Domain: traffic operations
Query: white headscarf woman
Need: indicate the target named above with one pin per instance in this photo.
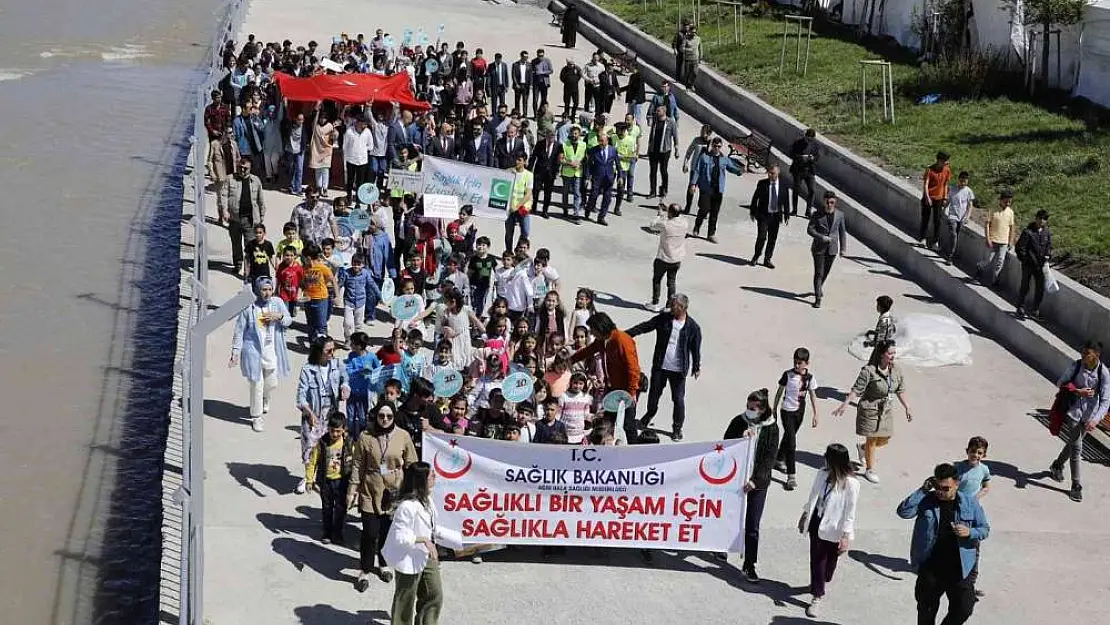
(258, 347)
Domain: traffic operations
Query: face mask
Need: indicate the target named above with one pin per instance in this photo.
(751, 416)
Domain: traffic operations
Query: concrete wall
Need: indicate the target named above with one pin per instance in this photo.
(893, 212)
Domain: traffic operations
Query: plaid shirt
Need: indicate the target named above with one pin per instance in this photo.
(216, 119)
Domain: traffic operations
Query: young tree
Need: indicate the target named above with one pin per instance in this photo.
(1049, 14)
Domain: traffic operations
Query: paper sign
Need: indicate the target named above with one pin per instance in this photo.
(613, 400)
(441, 206)
(406, 181)
(368, 193)
(447, 382)
(389, 291)
(517, 387)
(405, 307)
(331, 65)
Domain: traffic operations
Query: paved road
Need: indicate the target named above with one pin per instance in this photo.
(1044, 559)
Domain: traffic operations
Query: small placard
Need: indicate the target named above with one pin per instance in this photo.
(517, 387)
(329, 64)
(389, 291)
(360, 218)
(406, 181)
(441, 206)
(368, 193)
(405, 307)
(613, 400)
(447, 382)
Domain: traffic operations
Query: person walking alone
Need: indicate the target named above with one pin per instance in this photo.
(677, 354)
(672, 227)
(948, 527)
(1086, 385)
(804, 155)
(829, 517)
(1034, 248)
(829, 230)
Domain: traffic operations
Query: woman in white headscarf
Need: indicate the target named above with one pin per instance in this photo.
(258, 347)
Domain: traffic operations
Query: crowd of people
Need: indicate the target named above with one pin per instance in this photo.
(483, 317)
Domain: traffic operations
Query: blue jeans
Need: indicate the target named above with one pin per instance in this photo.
(574, 185)
(515, 218)
(296, 171)
(636, 111)
(316, 313)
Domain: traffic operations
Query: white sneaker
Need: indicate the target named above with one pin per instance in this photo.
(814, 607)
(300, 487)
(265, 407)
(258, 424)
(653, 307)
(871, 476)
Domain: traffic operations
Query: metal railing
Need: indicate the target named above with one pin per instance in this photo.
(199, 324)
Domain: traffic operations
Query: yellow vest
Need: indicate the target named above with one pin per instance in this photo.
(626, 149)
(520, 187)
(398, 192)
(570, 154)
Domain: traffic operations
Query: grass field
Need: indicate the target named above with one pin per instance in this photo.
(1051, 160)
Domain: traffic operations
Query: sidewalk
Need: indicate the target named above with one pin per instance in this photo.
(263, 564)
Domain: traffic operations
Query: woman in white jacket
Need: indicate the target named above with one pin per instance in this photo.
(410, 548)
(829, 516)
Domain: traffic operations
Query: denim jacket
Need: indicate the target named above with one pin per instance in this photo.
(316, 392)
(924, 506)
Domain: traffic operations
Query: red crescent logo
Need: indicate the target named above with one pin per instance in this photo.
(454, 475)
(715, 481)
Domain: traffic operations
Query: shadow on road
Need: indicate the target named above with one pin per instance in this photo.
(226, 411)
(881, 565)
(278, 479)
(321, 614)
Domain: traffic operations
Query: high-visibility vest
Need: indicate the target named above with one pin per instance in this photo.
(570, 153)
(399, 193)
(626, 149)
(520, 187)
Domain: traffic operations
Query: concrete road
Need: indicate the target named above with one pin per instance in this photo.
(1045, 556)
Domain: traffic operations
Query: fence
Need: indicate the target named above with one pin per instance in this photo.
(199, 322)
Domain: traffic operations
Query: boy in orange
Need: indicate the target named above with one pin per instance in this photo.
(317, 278)
(934, 198)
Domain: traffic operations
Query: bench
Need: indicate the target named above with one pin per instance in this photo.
(756, 149)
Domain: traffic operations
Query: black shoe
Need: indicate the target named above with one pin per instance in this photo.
(676, 436)
(1035, 314)
(645, 421)
(1019, 313)
(362, 584)
(544, 214)
(576, 220)
(754, 261)
(1076, 494)
(651, 194)
(602, 222)
(780, 466)
(617, 212)
(817, 303)
(768, 264)
(1056, 473)
(750, 575)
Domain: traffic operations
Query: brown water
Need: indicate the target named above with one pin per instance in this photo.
(95, 105)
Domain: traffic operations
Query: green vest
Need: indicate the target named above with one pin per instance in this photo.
(570, 154)
(520, 187)
(626, 149)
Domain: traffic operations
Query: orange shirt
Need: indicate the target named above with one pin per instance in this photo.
(317, 277)
(936, 182)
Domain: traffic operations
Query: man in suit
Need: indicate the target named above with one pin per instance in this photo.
(769, 208)
(498, 82)
(671, 361)
(544, 165)
(603, 162)
(661, 144)
(477, 147)
(712, 170)
(522, 82)
(829, 230)
(443, 145)
(510, 147)
(541, 80)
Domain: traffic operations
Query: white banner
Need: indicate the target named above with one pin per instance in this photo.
(685, 496)
(487, 189)
(441, 206)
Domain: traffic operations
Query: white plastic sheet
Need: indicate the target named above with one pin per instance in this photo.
(924, 340)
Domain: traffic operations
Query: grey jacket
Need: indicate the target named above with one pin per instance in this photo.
(670, 135)
(828, 241)
(258, 205)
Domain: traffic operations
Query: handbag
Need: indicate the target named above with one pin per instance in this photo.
(1065, 397)
(1051, 285)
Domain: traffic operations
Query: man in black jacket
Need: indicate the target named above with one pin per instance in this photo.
(770, 207)
(522, 83)
(804, 155)
(497, 83)
(758, 422)
(544, 166)
(1034, 248)
(673, 360)
(570, 76)
(634, 93)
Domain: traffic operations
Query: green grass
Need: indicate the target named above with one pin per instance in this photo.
(1050, 160)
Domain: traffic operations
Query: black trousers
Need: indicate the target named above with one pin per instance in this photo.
(677, 382)
(752, 518)
(928, 591)
(544, 185)
(570, 103)
(788, 448)
(520, 100)
(709, 205)
(496, 98)
(333, 508)
(1031, 271)
(809, 183)
(375, 527)
(589, 97)
(931, 212)
(767, 228)
(357, 175)
(241, 230)
(678, 62)
(539, 96)
(689, 198)
(822, 265)
(658, 269)
(657, 170)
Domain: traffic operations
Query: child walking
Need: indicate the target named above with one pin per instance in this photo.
(795, 385)
(975, 481)
(329, 472)
(885, 327)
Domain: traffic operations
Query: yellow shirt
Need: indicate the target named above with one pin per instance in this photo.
(332, 459)
(1000, 224)
(297, 244)
(317, 277)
